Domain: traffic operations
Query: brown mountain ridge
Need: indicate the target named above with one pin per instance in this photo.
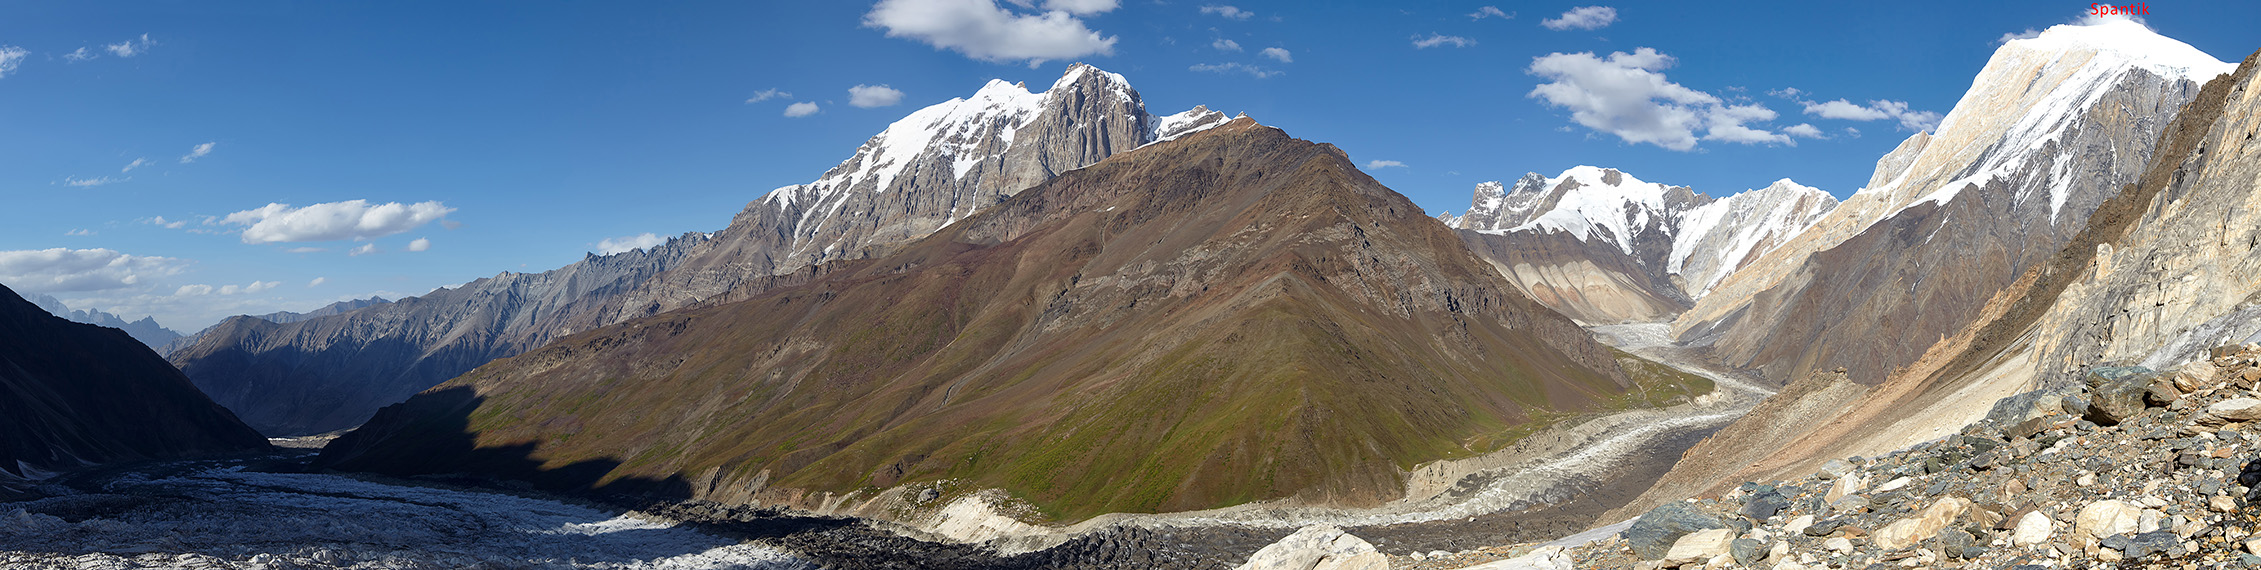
(1233, 316)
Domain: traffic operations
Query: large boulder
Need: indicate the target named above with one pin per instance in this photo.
(2106, 518)
(1318, 547)
(1700, 546)
(1652, 536)
(1916, 529)
(2117, 393)
(2236, 409)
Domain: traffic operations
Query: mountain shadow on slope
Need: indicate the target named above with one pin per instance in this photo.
(1233, 316)
(74, 394)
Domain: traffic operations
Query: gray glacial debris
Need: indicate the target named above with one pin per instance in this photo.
(931, 168)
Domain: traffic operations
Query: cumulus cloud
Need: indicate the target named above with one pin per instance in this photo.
(130, 48)
(768, 94)
(137, 163)
(420, 244)
(869, 96)
(199, 290)
(92, 182)
(624, 244)
(1378, 164)
(365, 249)
(1436, 39)
(1875, 111)
(801, 109)
(198, 151)
(333, 221)
(1077, 7)
(65, 270)
(10, 58)
(1225, 45)
(80, 54)
(1279, 54)
(1490, 12)
(1258, 72)
(1583, 18)
(161, 222)
(1625, 95)
(1804, 130)
(982, 30)
(1229, 12)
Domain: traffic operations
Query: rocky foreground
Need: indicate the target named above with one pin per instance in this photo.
(2136, 468)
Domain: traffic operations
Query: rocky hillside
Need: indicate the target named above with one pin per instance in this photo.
(1604, 247)
(1230, 317)
(935, 166)
(2017, 341)
(2050, 128)
(145, 330)
(74, 394)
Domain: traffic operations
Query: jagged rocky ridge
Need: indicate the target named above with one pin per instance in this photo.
(937, 165)
(145, 330)
(1604, 247)
(74, 395)
(2050, 128)
(1230, 317)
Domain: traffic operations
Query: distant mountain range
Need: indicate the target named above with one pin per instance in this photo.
(145, 330)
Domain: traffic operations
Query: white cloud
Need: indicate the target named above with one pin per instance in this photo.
(1225, 45)
(1624, 95)
(1584, 18)
(801, 109)
(62, 269)
(317, 282)
(1379, 164)
(624, 244)
(869, 96)
(1804, 130)
(1490, 12)
(130, 48)
(768, 94)
(196, 152)
(334, 221)
(137, 163)
(80, 54)
(10, 58)
(1259, 72)
(1436, 39)
(1279, 54)
(80, 232)
(1875, 110)
(92, 182)
(306, 249)
(365, 249)
(1082, 7)
(1229, 12)
(198, 290)
(1787, 92)
(982, 30)
(161, 222)
(420, 244)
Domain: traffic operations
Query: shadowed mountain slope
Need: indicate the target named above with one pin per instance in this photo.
(74, 394)
(1230, 317)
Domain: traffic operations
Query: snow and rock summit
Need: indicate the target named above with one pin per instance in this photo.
(1683, 241)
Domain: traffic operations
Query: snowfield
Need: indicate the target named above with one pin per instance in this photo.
(214, 515)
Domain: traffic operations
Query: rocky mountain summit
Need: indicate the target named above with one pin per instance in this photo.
(1137, 336)
(1604, 247)
(317, 374)
(2052, 127)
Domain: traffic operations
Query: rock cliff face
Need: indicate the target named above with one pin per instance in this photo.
(145, 330)
(938, 165)
(74, 394)
(2052, 127)
(1604, 247)
(1229, 317)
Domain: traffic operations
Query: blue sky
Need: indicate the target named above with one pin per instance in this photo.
(519, 136)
